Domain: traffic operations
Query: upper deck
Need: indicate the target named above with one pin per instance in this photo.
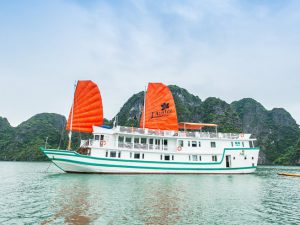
(133, 131)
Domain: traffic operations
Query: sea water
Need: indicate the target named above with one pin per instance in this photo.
(38, 193)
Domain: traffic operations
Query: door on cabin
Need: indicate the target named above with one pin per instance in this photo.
(228, 160)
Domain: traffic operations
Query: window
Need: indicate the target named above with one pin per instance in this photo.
(165, 142)
(136, 140)
(189, 158)
(121, 139)
(143, 140)
(136, 155)
(119, 154)
(167, 157)
(251, 144)
(180, 143)
(233, 158)
(130, 154)
(194, 157)
(143, 156)
(199, 144)
(101, 137)
(237, 143)
(151, 141)
(252, 158)
(97, 137)
(213, 144)
(160, 157)
(157, 141)
(200, 158)
(128, 139)
(113, 154)
(194, 143)
(232, 144)
(189, 143)
(245, 157)
(214, 158)
(172, 157)
(243, 144)
(106, 154)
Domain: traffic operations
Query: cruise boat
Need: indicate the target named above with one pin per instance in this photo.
(159, 145)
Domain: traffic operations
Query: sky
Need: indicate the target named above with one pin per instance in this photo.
(222, 48)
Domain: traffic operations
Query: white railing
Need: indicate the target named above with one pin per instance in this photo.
(167, 133)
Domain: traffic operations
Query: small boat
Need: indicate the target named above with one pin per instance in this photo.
(159, 145)
(290, 174)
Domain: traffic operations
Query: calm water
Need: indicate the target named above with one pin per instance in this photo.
(31, 194)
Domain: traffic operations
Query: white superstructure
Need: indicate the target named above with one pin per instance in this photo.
(137, 150)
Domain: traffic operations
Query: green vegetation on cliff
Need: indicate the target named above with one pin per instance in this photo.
(277, 132)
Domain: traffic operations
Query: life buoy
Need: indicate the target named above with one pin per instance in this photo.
(179, 148)
(102, 142)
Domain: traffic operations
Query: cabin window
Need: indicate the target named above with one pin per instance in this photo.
(251, 144)
(143, 140)
(160, 157)
(151, 141)
(113, 154)
(172, 157)
(101, 137)
(232, 144)
(106, 154)
(180, 143)
(136, 140)
(243, 144)
(143, 156)
(233, 158)
(199, 144)
(237, 143)
(214, 158)
(213, 144)
(128, 139)
(121, 139)
(194, 143)
(97, 137)
(119, 154)
(157, 141)
(130, 154)
(189, 158)
(194, 157)
(165, 142)
(200, 158)
(136, 155)
(189, 143)
(167, 157)
(245, 157)
(252, 158)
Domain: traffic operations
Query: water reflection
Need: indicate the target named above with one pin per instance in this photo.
(71, 202)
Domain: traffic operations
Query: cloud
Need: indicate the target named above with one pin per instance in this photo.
(227, 49)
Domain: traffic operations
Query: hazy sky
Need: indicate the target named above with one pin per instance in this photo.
(227, 49)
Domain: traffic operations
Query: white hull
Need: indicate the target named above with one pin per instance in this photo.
(70, 161)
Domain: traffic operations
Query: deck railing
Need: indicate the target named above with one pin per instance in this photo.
(167, 133)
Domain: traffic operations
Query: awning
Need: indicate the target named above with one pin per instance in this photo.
(195, 126)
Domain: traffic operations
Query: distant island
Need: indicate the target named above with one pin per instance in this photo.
(277, 132)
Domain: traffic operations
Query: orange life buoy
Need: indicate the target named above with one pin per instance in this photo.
(179, 148)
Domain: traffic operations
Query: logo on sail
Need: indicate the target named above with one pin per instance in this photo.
(165, 111)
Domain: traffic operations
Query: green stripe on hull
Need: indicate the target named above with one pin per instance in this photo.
(150, 168)
(75, 154)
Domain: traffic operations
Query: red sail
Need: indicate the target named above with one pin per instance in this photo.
(160, 108)
(88, 110)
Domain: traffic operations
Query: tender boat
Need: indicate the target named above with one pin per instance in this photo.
(159, 145)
